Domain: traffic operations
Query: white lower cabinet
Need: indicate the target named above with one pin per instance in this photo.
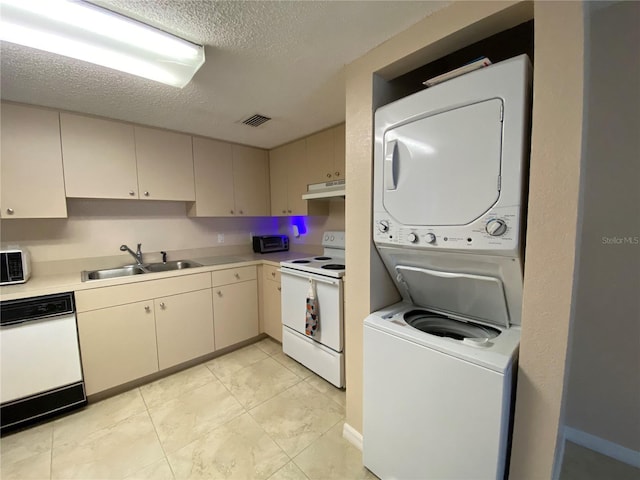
(235, 305)
(272, 308)
(184, 327)
(118, 345)
(129, 331)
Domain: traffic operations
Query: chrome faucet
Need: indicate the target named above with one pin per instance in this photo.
(137, 254)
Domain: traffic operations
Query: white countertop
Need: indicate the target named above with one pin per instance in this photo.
(50, 284)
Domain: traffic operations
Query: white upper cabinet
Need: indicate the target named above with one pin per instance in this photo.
(110, 159)
(325, 155)
(290, 175)
(165, 165)
(32, 183)
(231, 180)
(320, 151)
(213, 165)
(251, 181)
(99, 157)
(339, 152)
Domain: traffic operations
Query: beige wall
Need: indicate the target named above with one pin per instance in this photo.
(603, 389)
(555, 168)
(97, 228)
(551, 236)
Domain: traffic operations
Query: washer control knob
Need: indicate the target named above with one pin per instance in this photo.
(430, 238)
(496, 227)
(383, 226)
(412, 237)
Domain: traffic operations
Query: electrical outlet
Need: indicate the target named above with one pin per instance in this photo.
(221, 238)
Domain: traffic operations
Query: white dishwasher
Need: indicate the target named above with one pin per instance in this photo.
(40, 367)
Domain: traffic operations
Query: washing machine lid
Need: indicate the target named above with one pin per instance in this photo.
(466, 295)
(444, 169)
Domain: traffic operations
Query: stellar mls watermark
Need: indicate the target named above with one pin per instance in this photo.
(629, 240)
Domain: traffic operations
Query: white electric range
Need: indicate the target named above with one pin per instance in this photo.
(323, 352)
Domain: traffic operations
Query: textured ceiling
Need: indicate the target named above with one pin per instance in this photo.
(282, 59)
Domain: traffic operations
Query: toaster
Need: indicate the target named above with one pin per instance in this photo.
(270, 243)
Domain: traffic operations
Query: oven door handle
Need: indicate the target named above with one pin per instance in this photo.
(305, 275)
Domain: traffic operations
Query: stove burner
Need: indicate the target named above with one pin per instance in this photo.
(301, 261)
(333, 266)
(322, 258)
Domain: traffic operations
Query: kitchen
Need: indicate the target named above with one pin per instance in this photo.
(165, 227)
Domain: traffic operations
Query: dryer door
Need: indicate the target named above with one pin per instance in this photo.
(444, 169)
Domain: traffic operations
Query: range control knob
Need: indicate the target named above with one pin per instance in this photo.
(412, 237)
(430, 238)
(383, 226)
(496, 227)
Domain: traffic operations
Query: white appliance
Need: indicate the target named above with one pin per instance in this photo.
(41, 372)
(449, 170)
(324, 352)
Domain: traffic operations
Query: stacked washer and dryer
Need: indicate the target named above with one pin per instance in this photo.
(449, 195)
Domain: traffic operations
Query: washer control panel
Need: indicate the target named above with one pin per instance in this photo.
(496, 230)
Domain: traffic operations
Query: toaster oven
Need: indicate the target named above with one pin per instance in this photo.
(270, 243)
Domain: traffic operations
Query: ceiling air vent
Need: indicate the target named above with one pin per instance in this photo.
(256, 120)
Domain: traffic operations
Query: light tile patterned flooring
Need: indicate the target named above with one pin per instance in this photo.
(251, 414)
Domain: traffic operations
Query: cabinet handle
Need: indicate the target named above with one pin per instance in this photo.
(289, 211)
(337, 174)
(273, 274)
(231, 212)
(146, 194)
(284, 211)
(219, 293)
(132, 193)
(147, 308)
(10, 211)
(241, 212)
(162, 305)
(237, 275)
(279, 288)
(328, 175)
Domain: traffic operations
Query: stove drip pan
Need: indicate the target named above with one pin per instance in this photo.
(436, 324)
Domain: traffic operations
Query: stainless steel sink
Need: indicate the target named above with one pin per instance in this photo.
(111, 273)
(168, 266)
(128, 270)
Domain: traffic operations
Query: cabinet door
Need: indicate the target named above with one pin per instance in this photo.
(339, 152)
(278, 173)
(320, 157)
(118, 344)
(272, 310)
(297, 178)
(213, 166)
(251, 181)
(99, 157)
(32, 184)
(165, 165)
(184, 325)
(235, 309)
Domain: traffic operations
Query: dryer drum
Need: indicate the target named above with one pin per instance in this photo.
(442, 326)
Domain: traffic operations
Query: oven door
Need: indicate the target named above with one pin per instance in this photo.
(329, 294)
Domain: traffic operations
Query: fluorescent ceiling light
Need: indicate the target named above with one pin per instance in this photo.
(80, 30)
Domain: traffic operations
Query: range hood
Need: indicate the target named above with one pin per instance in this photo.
(325, 190)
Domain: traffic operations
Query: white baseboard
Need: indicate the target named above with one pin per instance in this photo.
(353, 436)
(600, 445)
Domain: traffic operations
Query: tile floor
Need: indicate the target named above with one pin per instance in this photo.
(251, 414)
